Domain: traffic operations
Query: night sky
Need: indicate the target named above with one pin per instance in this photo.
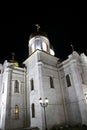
(64, 26)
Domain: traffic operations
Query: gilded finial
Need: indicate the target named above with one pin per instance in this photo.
(13, 61)
(38, 27)
(72, 47)
(13, 55)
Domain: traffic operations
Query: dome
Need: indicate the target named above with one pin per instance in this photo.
(39, 41)
(37, 32)
(13, 61)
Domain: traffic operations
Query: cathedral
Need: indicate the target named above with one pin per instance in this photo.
(45, 91)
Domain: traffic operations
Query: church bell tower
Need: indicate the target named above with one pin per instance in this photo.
(42, 81)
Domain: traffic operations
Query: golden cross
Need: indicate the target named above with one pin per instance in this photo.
(13, 54)
(72, 47)
(38, 27)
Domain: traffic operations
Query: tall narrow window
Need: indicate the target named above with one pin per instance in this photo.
(16, 112)
(82, 78)
(32, 84)
(3, 88)
(16, 86)
(33, 110)
(38, 43)
(51, 82)
(68, 80)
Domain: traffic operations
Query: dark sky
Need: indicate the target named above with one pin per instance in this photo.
(64, 26)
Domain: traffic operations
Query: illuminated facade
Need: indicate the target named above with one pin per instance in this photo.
(44, 75)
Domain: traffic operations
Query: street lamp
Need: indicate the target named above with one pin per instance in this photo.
(44, 105)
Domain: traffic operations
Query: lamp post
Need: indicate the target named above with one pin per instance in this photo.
(44, 105)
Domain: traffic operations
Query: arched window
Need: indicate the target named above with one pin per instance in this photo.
(33, 110)
(68, 80)
(3, 87)
(32, 84)
(37, 43)
(51, 82)
(16, 112)
(16, 86)
(82, 78)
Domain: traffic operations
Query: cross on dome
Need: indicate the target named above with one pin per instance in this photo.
(38, 27)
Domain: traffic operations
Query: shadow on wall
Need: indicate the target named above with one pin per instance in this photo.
(28, 128)
(69, 127)
(32, 128)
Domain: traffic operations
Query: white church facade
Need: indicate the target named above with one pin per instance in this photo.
(63, 83)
